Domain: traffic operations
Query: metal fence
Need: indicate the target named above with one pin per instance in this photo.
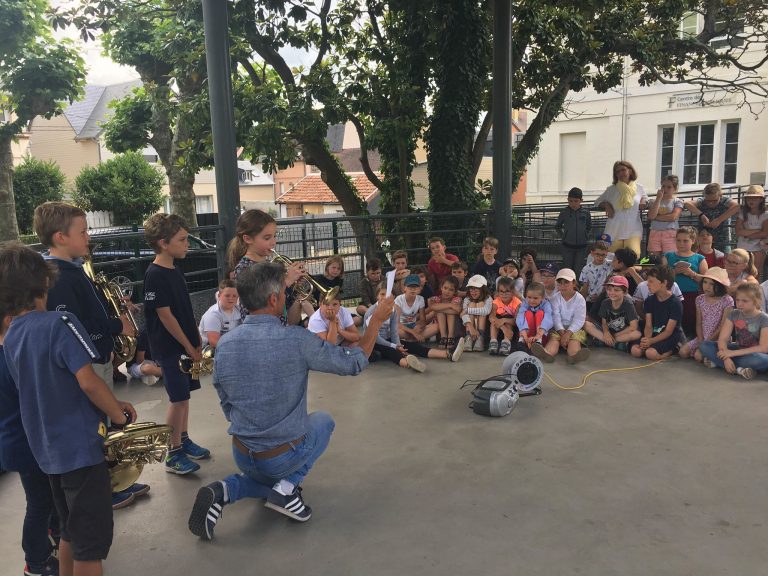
(314, 239)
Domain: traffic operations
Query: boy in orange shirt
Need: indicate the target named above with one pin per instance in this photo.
(505, 306)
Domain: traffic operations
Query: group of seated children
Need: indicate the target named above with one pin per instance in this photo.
(659, 306)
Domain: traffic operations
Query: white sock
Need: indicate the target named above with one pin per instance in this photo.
(226, 492)
(284, 487)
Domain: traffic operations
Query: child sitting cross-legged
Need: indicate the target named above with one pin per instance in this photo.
(712, 306)
(445, 309)
(502, 318)
(534, 320)
(617, 316)
(474, 313)
(569, 314)
(410, 308)
(662, 333)
(405, 355)
(742, 346)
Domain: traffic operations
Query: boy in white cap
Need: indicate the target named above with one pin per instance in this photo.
(569, 311)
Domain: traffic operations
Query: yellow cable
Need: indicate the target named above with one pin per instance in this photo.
(587, 376)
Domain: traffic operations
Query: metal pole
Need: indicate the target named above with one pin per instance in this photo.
(502, 125)
(222, 116)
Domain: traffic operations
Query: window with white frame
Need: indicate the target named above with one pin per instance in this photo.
(731, 148)
(689, 25)
(698, 153)
(667, 156)
(203, 204)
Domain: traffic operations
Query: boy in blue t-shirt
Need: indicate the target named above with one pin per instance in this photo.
(63, 229)
(172, 332)
(63, 404)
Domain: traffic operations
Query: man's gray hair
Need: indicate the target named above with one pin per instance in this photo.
(258, 282)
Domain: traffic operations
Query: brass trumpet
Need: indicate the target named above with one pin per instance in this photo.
(204, 366)
(306, 285)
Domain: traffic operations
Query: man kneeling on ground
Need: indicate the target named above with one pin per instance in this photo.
(261, 373)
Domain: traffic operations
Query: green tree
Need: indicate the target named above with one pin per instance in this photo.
(37, 75)
(35, 182)
(125, 185)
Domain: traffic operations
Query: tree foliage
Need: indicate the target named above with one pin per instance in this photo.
(37, 76)
(35, 182)
(125, 185)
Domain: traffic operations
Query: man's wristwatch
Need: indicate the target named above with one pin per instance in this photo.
(128, 420)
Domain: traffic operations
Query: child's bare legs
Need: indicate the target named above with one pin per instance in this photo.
(361, 310)
(151, 369)
(439, 354)
(68, 566)
(430, 330)
(685, 351)
(594, 330)
(652, 354)
(759, 257)
(482, 322)
(494, 331)
(552, 346)
(507, 331)
(627, 335)
(698, 356)
(451, 321)
(177, 418)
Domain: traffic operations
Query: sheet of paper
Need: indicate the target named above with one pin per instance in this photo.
(390, 282)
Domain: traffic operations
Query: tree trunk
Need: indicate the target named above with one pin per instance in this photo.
(9, 230)
(317, 154)
(166, 144)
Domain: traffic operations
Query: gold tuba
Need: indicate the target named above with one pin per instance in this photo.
(205, 366)
(306, 285)
(124, 345)
(128, 450)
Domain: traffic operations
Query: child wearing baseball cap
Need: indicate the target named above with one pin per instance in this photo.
(569, 315)
(474, 314)
(618, 321)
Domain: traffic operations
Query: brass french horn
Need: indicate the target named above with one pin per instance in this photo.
(128, 450)
(124, 345)
(306, 285)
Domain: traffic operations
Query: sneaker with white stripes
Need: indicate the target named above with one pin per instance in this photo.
(209, 504)
(292, 505)
(746, 373)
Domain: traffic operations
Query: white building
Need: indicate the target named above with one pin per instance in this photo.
(661, 129)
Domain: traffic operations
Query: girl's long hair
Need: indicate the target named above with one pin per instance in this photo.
(250, 223)
(750, 260)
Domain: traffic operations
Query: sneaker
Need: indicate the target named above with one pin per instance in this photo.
(746, 373)
(118, 376)
(149, 380)
(580, 356)
(479, 345)
(50, 568)
(137, 489)
(122, 499)
(54, 542)
(292, 505)
(193, 450)
(506, 348)
(708, 363)
(179, 464)
(538, 350)
(415, 364)
(468, 343)
(493, 347)
(455, 354)
(209, 504)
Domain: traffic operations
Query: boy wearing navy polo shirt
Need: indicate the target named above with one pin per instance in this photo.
(63, 229)
(172, 332)
(63, 403)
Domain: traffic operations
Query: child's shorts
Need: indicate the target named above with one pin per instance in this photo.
(177, 384)
(662, 240)
(135, 370)
(83, 499)
(671, 344)
(409, 325)
(580, 336)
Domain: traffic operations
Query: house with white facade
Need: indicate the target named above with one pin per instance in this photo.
(700, 135)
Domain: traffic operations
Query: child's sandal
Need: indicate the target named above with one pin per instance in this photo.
(442, 343)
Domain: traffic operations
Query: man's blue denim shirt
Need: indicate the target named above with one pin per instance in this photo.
(261, 373)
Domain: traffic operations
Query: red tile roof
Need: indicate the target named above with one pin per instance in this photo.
(312, 190)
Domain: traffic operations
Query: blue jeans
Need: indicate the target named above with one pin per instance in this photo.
(757, 360)
(39, 517)
(260, 474)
